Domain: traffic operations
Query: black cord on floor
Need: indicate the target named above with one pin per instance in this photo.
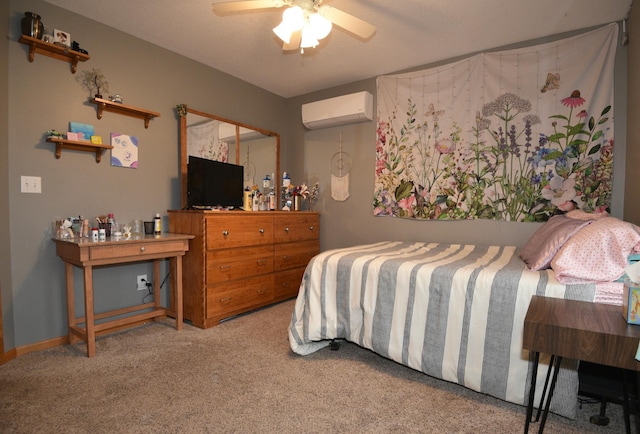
(150, 288)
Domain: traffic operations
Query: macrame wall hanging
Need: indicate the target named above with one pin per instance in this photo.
(340, 168)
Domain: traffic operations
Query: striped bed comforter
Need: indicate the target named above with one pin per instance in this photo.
(455, 312)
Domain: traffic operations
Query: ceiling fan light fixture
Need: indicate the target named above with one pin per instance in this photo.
(283, 31)
(308, 38)
(304, 22)
(292, 21)
(294, 17)
(320, 26)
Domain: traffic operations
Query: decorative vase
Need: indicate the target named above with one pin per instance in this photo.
(296, 203)
(32, 25)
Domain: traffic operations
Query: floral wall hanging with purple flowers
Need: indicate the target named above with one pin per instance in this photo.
(516, 135)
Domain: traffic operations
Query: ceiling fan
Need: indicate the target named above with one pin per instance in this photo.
(304, 22)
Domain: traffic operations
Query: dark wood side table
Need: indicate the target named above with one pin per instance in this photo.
(591, 332)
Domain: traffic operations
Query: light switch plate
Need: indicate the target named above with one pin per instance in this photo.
(30, 184)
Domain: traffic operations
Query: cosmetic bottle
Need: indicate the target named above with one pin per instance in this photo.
(248, 199)
(272, 201)
(157, 224)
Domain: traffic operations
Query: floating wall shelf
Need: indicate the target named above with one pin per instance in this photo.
(127, 110)
(52, 50)
(78, 145)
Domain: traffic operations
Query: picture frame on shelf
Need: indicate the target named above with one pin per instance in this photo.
(61, 37)
(87, 130)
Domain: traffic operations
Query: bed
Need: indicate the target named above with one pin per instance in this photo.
(456, 311)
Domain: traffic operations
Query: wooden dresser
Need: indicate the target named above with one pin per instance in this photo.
(240, 261)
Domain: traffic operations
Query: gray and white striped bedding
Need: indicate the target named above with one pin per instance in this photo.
(454, 312)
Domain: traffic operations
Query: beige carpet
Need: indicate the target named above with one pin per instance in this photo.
(242, 377)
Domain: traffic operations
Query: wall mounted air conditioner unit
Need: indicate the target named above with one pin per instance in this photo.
(341, 110)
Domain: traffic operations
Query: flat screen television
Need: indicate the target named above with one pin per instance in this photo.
(213, 184)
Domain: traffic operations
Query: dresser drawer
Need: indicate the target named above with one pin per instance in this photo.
(298, 226)
(224, 265)
(237, 231)
(287, 283)
(141, 249)
(236, 258)
(293, 255)
(227, 299)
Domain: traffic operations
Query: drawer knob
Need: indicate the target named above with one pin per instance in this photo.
(142, 249)
(261, 261)
(311, 228)
(225, 233)
(224, 300)
(261, 231)
(225, 267)
(286, 229)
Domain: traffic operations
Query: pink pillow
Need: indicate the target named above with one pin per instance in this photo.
(597, 253)
(538, 252)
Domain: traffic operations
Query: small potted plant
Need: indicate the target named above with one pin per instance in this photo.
(94, 80)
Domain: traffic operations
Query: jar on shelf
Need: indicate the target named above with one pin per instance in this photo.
(32, 25)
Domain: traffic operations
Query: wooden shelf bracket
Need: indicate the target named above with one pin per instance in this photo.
(59, 52)
(78, 145)
(123, 109)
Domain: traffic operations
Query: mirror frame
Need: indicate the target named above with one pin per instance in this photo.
(183, 110)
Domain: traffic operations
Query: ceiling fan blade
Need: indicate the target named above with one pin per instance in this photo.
(294, 42)
(245, 5)
(348, 22)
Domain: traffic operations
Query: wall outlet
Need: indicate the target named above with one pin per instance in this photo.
(30, 184)
(142, 282)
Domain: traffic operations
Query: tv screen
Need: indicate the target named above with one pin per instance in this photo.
(213, 183)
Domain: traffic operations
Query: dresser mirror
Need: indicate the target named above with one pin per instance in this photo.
(208, 136)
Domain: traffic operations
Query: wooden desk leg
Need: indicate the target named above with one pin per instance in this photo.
(71, 308)
(88, 311)
(177, 273)
(156, 284)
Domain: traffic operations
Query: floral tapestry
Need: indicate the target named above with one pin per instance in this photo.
(203, 141)
(517, 135)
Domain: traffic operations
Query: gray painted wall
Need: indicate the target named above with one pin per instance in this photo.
(44, 95)
(6, 315)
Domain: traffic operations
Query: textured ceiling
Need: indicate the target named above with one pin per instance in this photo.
(409, 33)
